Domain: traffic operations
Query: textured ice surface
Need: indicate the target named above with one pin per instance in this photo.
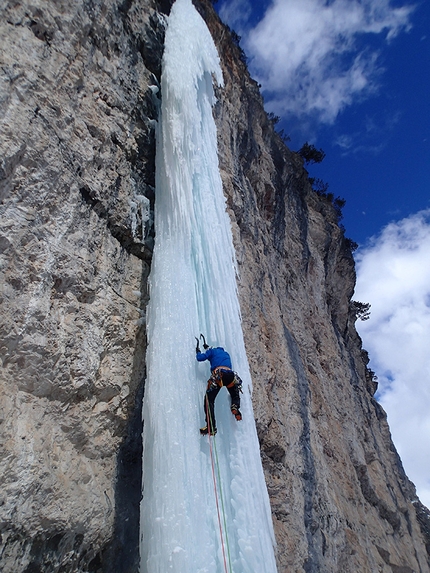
(193, 290)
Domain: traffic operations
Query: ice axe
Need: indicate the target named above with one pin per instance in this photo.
(204, 342)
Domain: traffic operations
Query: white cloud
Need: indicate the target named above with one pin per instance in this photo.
(236, 13)
(393, 275)
(305, 54)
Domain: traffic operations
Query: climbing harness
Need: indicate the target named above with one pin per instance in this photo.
(215, 462)
(216, 378)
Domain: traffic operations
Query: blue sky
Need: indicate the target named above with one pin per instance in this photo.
(372, 78)
(353, 77)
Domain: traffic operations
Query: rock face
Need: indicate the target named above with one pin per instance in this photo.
(78, 103)
(78, 100)
(340, 498)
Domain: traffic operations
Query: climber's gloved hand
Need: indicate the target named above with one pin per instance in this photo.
(197, 345)
(205, 346)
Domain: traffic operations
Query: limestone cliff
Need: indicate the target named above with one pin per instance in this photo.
(78, 106)
(78, 101)
(340, 498)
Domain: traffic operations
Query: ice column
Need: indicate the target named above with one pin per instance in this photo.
(193, 290)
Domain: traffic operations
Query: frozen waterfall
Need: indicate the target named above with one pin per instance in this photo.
(193, 290)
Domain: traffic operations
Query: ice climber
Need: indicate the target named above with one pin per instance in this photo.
(221, 375)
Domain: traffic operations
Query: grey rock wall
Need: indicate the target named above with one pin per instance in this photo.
(78, 101)
(340, 498)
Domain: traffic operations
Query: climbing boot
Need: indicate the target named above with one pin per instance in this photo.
(204, 431)
(236, 412)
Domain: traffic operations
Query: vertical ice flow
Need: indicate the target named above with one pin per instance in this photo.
(193, 290)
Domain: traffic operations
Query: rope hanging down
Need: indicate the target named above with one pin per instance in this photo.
(213, 463)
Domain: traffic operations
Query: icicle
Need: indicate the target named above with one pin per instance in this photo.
(193, 289)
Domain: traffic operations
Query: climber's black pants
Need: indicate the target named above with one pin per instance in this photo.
(225, 378)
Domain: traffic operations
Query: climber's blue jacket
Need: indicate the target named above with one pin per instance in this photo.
(216, 356)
